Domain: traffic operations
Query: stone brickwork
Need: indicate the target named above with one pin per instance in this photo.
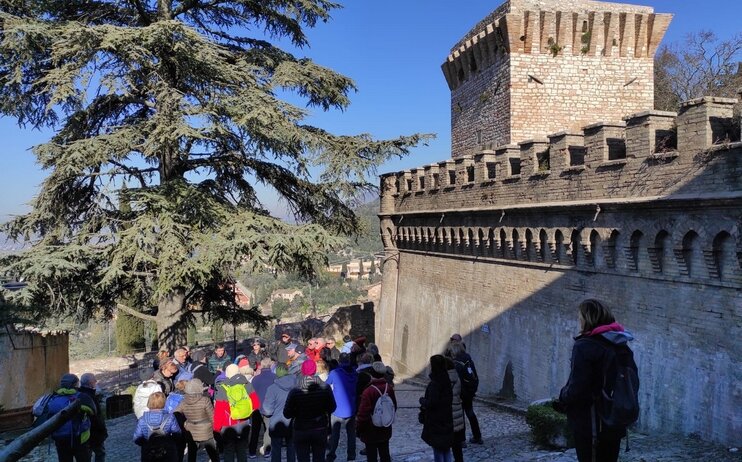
(540, 66)
(642, 210)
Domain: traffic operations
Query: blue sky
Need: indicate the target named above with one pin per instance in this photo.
(393, 50)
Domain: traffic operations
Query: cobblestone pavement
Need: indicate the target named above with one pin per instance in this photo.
(506, 438)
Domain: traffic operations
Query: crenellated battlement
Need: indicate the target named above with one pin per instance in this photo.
(537, 66)
(647, 154)
(588, 28)
(562, 187)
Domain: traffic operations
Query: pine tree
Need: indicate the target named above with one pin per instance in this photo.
(129, 333)
(372, 268)
(360, 269)
(174, 97)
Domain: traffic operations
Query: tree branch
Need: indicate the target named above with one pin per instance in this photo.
(142, 12)
(135, 313)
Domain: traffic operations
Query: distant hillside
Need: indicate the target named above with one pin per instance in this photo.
(369, 241)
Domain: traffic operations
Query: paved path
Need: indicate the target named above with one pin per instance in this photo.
(506, 438)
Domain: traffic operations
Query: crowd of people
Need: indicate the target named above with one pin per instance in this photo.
(294, 399)
(282, 401)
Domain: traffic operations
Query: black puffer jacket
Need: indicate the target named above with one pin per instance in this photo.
(310, 404)
(438, 416)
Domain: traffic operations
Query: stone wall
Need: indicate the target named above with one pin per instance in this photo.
(540, 66)
(32, 364)
(644, 214)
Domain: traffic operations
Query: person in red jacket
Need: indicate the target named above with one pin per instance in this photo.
(375, 438)
(234, 433)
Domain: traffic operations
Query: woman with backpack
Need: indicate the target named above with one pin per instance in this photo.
(469, 379)
(598, 351)
(198, 412)
(436, 412)
(234, 402)
(157, 431)
(374, 433)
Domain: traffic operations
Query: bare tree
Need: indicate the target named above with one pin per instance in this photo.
(702, 65)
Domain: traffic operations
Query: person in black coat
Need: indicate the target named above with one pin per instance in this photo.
(436, 411)
(600, 338)
(200, 369)
(310, 406)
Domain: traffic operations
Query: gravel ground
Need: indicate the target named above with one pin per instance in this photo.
(506, 438)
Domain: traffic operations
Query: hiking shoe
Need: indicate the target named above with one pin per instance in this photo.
(252, 456)
(476, 441)
(363, 451)
(267, 454)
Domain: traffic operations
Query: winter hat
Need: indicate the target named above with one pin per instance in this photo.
(299, 349)
(308, 367)
(243, 362)
(68, 381)
(194, 387)
(232, 370)
(198, 356)
(379, 367)
(456, 338)
(291, 346)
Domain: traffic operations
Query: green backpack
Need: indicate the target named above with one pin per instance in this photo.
(240, 404)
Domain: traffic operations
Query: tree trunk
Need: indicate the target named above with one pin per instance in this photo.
(171, 321)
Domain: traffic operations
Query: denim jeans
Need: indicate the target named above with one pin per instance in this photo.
(336, 424)
(442, 455)
(276, 443)
(310, 444)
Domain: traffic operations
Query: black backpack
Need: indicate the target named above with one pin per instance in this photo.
(468, 375)
(618, 402)
(160, 446)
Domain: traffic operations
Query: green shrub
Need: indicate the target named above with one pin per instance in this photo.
(549, 428)
(129, 333)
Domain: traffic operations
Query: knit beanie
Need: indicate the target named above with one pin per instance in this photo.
(308, 367)
(194, 387)
(232, 370)
(68, 381)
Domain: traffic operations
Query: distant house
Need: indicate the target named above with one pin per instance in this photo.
(242, 295)
(354, 267)
(286, 294)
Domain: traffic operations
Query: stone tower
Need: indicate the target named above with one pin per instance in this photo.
(543, 66)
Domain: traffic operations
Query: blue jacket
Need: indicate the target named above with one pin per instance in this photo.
(262, 381)
(152, 420)
(343, 381)
(79, 426)
(275, 400)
